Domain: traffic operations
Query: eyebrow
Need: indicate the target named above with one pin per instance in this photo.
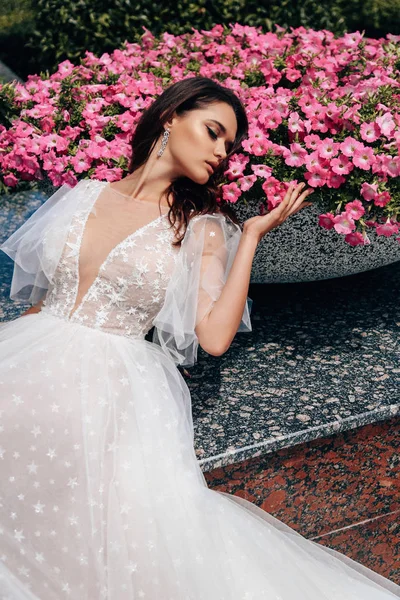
(223, 129)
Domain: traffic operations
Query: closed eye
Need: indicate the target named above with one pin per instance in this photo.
(212, 133)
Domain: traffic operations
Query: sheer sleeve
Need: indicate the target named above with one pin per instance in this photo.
(36, 246)
(203, 263)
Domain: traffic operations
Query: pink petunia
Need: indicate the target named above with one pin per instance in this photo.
(312, 141)
(349, 146)
(10, 180)
(246, 182)
(369, 132)
(391, 165)
(326, 220)
(327, 148)
(355, 209)
(342, 165)
(382, 199)
(81, 162)
(317, 178)
(369, 191)
(386, 123)
(356, 239)
(343, 223)
(364, 158)
(231, 192)
(236, 166)
(295, 157)
(387, 229)
(261, 170)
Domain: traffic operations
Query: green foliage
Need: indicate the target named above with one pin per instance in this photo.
(16, 26)
(55, 30)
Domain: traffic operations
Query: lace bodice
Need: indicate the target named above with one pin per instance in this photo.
(129, 287)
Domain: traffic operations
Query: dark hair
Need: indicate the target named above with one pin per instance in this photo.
(189, 197)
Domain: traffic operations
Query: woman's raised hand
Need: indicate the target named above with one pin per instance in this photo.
(293, 202)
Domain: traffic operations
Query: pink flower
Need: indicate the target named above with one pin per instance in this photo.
(295, 157)
(295, 123)
(387, 229)
(317, 178)
(81, 162)
(70, 179)
(334, 180)
(326, 220)
(356, 239)
(342, 165)
(386, 124)
(369, 191)
(391, 165)
(53, 141)
(369, 132)
(231, 192)
(349, 146)
(23, 129)
(10, 180)
(246, 182)
(271, 119)
(31, 164)
(65, 68)
(261, 170)
(364, 158)
(327, 148)
(355, 209)
(292, 74)
(125, 121)
(312, 141)
(343, 223)
(47, 124)
(102, 172)
(382, 199)
(236, 166)
(274, 191)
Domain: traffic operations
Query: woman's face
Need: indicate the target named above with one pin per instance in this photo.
(198, 136)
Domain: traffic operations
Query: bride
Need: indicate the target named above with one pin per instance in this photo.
(101, 493)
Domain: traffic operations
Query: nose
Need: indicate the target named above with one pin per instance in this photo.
(220, 151)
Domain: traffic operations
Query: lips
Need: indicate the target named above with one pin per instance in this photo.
(211, 168)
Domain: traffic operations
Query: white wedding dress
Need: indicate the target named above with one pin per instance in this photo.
(101, 493)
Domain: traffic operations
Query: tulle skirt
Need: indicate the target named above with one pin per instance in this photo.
(102, 496)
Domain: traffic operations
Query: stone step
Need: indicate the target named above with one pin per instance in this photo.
(342, 491)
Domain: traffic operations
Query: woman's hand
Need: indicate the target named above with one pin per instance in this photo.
(293, 202)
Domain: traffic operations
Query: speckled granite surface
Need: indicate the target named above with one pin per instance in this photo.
(323, 357)
(301, 250)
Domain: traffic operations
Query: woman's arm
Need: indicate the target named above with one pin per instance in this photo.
(216, 331)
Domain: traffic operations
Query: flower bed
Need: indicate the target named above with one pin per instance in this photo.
(321, 109)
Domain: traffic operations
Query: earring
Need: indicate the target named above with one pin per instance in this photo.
(163, 142)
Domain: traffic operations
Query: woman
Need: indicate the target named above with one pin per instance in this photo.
(102, 495)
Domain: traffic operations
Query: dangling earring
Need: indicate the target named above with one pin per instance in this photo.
(163, 142)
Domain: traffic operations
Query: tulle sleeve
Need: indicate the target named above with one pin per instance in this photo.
(36, 246)
(203, 263)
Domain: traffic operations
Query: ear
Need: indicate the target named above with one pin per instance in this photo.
(168, 124)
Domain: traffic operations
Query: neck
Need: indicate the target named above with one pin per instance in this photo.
(150, 181)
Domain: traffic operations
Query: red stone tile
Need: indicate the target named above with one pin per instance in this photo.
(325, 484)
(375, 544)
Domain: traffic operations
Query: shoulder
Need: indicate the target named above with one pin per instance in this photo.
(216, 227)
(215, 218)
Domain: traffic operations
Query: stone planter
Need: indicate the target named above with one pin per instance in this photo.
(298, 250)
(301, 250)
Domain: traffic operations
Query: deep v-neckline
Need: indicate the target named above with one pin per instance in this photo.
(126, 239)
